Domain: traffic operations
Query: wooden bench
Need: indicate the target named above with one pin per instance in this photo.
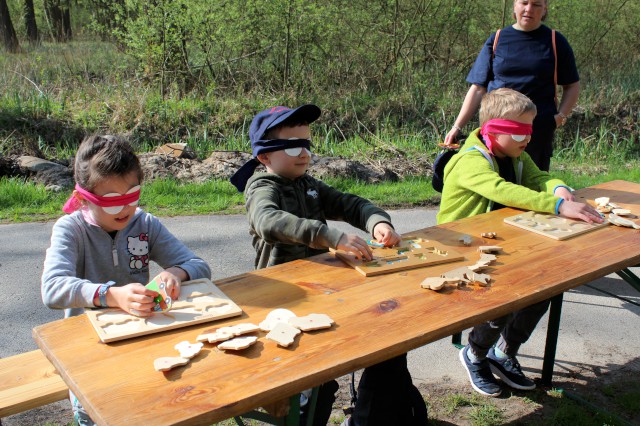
(28, 381)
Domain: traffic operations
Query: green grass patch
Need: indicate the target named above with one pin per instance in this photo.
(27, 202)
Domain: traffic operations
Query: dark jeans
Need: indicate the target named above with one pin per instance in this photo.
(387, 396)
(324, 404)
(512, 330)
(540, 148)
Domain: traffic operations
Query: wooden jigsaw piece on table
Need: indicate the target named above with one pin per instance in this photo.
(311, 322)
(188, 350)
(283, 334)
(238, 343)
(226, 333)
(167, 363)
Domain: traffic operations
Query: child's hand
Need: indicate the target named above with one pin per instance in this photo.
(564, 193)
(173, 277)
(133, 298)
(356, 245)
(385, 234)
(577, 210)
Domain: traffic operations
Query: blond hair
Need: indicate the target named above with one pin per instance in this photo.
(504, 103)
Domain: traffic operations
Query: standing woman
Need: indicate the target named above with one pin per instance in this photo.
(524, 60)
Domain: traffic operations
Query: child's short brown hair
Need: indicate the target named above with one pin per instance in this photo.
(102, 156)
(504, 103)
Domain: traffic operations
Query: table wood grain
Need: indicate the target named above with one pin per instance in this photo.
(376, 318)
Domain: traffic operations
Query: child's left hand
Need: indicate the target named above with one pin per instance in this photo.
(173, 278)
(564, 193)
(385, 234)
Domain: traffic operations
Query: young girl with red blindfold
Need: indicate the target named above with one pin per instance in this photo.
(100, 250)
(491, 171)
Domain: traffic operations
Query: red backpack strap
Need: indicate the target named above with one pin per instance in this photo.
(495, 44)
(555, 67)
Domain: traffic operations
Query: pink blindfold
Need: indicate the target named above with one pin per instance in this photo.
(110, 203)
(517, 130)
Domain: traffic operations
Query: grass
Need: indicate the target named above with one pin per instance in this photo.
(27, 202)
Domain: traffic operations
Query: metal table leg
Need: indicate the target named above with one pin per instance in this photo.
(551, 344)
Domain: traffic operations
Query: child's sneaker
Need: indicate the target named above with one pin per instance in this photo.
(480, 375)
(509, 371)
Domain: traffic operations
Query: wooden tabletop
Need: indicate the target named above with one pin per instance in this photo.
(376, 318)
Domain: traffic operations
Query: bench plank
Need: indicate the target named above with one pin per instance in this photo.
(28, 381)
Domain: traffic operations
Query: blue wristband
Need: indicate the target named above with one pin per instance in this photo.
(102, 293)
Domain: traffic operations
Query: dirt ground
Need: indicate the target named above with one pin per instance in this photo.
(223, 164)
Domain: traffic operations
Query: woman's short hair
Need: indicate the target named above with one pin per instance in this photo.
(504, 103)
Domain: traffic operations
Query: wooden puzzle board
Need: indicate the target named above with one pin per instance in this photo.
(200, 301)
(552, 226)
(410, 253)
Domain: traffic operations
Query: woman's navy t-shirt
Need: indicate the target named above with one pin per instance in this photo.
(524, 62)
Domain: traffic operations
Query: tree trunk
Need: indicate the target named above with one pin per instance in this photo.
(7, 31)
(54, 13)
(30, 22)
(66, 20)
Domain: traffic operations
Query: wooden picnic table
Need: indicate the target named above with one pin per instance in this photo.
(376, 318)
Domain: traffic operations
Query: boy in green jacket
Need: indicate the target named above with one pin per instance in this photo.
(288, 212)
(492, 171)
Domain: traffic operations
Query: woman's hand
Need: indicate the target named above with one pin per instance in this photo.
(451, 139)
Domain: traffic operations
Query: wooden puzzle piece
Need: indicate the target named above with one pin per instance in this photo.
(201, 302)
(489, 235)
(188, 350)
(127, 325)
(437, 283)
(166, 363)
(114, 317)
(552, 226)
(226, 333)
(621, 221)
(163, 300)
(489, 249)
(410, 253)
(283, 334)
(459, 274)
(621, 212)
(274, 317)
(311, 322)
(487, 257)
(478, 266)
(480, 279)
(465, 239)
(238, 343)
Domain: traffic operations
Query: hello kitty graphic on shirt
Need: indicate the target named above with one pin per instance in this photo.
(138, 247)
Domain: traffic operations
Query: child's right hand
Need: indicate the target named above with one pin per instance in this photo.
(134, 298)
(582, 211)
(356, 245)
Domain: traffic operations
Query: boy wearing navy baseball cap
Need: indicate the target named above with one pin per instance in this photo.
(288, 211)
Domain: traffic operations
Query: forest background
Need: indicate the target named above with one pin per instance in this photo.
(388, 74)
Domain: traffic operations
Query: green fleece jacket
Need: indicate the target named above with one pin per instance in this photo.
(288, 218)
(471, 184)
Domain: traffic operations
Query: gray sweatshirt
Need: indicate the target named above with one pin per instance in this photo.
(83, 256)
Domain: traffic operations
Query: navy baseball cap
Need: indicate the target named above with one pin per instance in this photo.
(263, 122)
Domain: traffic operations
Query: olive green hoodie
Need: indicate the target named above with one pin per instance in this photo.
(288, 218)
